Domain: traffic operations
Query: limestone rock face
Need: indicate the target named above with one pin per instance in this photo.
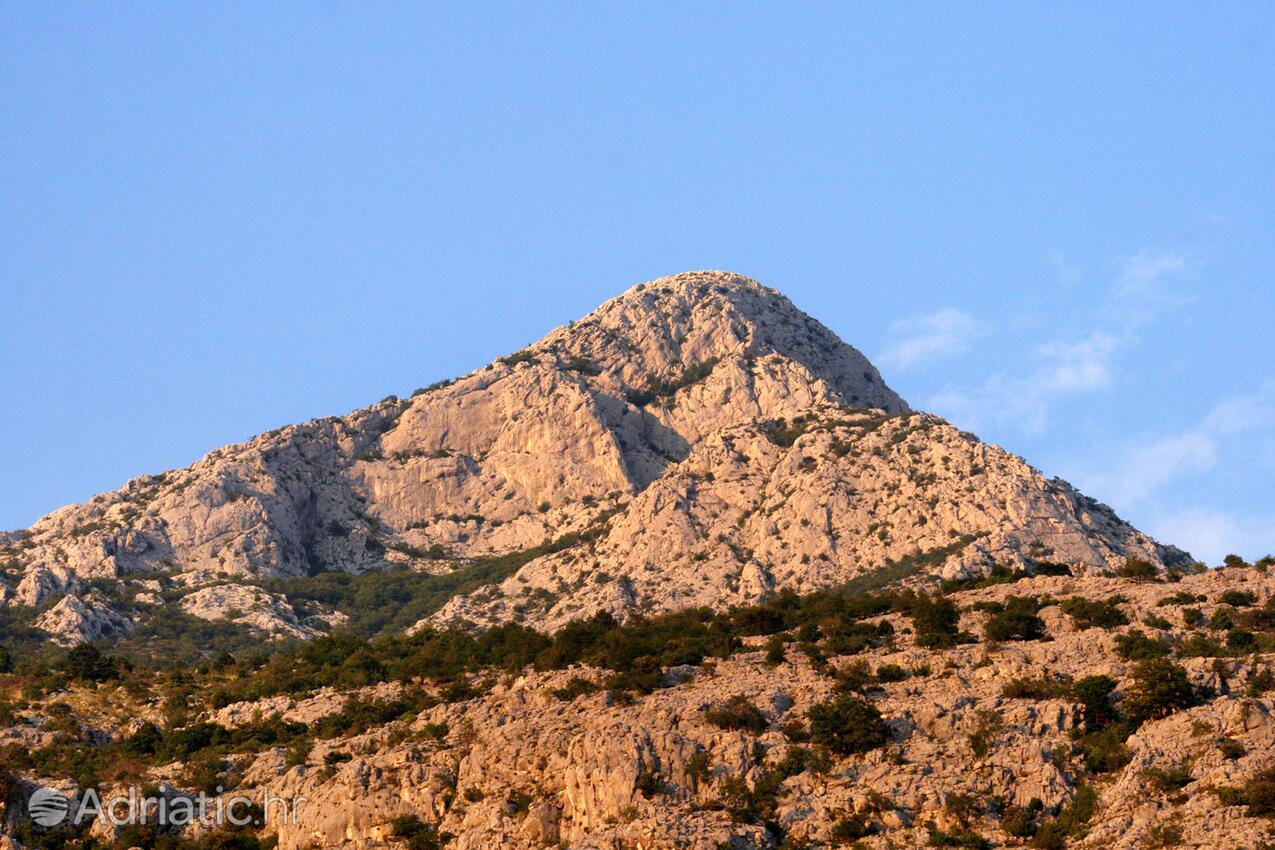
(808, 504)
(267, 612)
(717, 442)
(73, 621)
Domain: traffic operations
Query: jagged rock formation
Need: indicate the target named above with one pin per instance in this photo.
(730, 444)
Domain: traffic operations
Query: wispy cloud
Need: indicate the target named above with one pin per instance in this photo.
(1210, 535)
(1083, 361)
(1061, 368)
(928, 338)
(1143, 287)
(1149, 476)
(1150, 465)
(1150, 266)
(1079, 366)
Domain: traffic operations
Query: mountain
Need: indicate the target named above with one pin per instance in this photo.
(683, 574)
(697, 440)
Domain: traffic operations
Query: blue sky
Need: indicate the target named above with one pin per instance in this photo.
(1053, 224)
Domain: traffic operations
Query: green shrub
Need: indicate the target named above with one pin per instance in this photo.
(1199, 646)
(1020, 821)
(1237, 598)
(1071, 823)
(1094, 695)
(87, 663)
(1259, 793)
(1223, 618)
(1166, 780)
(936, 622)
(1135, 646)
(737, 713)
(1018, 621)
(851, 828)
(417, 834)
(575, 686)
(961, 837)
(891, 673)
(981, 739)
(1043, 687)
(1091, 613)
(1159, 688)
(1138, 569)
(1231, 749)
(775, 654)
(848, 724)
(1105, 750)
(657, 388)
(1165, 834)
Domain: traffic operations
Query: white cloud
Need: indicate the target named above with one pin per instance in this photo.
(1142, 287)
(1210, 535)
(1152, 476)
(926, 338)
(1150, 465)
(1078, 366)
(1151, 266)
(1085, 362)
(1062, 368)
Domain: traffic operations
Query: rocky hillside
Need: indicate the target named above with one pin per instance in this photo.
(696, 440)
(1122, 713)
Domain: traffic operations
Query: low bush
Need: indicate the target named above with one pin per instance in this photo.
(847, 725)
(1137, 569)
(1237, 598)
(1136, 646)
(1092, 613)
(1159, 688)
(738, 714)
(1043, 687)
(1018, 621)
(936, 622)
(1071, 824)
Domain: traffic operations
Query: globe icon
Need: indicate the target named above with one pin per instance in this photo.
(48, 807)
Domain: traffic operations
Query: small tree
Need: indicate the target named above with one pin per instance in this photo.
(936, 622)
(737, 713)
(1092, 613)
(848, 725)
(1160, 688)
(1018, 621)
(1138, 569)
(1094, 695)
(86, 662)
(1136, 646)
(416, 833)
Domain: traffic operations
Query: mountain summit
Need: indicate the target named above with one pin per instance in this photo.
(697, 440)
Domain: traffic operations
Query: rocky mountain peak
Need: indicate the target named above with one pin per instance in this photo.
(656, 330)
(697, 440)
